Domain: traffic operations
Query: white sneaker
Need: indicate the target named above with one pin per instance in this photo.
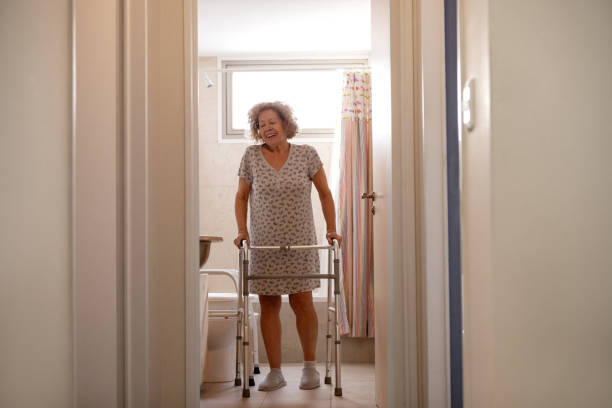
(310, 379)
(273, 381)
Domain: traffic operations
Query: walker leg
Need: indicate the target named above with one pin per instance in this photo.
(338, 388)
(237, 381)
(246, 393)
(245, 354)
(255, 340)
(250, 339)
(328, 336)
(328, 360)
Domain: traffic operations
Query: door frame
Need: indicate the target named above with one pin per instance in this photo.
(193, 330)
(432, 197)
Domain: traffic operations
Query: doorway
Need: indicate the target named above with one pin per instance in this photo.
(398, 370)
(232, 69)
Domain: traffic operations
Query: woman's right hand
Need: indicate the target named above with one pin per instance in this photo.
(242, 236)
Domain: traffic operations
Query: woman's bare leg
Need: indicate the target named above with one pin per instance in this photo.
(271, 328)
(306, 322)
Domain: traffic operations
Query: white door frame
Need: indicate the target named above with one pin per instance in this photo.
(433, 214)
(192, 272)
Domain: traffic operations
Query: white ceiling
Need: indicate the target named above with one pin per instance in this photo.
(259, 27)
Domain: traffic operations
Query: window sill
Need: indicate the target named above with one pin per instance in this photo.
(295, 140)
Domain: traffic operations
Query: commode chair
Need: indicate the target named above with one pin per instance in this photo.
(224, 308)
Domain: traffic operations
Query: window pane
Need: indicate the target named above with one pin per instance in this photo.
(315, 96)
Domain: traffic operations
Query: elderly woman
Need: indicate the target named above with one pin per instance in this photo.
(277, 176)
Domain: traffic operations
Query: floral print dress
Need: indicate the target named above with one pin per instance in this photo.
(281, 214)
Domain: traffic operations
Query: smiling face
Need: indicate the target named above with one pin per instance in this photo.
(271, 128)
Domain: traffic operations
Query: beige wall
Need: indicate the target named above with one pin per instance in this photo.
(219, 164)
(35, 271)
(537, 314)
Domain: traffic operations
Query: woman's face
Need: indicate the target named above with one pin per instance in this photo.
(271, 128)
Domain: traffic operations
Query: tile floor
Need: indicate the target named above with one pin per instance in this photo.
(357, 391)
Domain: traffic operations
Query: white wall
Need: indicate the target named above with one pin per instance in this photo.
(544, 339)
(35, 256)
(219, 180)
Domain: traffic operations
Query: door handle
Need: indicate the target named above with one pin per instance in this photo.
(372, 195)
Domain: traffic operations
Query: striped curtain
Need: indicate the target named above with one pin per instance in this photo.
(354, 212)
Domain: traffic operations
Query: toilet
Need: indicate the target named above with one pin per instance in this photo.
(220, 361)
(220, 365)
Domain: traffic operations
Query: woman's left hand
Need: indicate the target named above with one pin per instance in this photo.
(333, 235)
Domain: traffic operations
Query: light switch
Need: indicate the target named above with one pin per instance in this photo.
(467, 104)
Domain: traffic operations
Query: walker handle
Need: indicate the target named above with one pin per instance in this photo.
(335, 243)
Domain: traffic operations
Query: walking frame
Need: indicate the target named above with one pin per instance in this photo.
(332, 259)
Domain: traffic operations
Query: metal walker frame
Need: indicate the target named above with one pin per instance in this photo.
(332, 259)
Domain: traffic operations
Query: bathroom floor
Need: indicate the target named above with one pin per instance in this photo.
(357, 391)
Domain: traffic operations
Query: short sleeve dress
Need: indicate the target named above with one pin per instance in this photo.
(281, 214)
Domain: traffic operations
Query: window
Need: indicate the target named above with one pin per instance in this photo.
(311, 88)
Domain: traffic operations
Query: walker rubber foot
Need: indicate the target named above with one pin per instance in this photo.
(237, 382)
(256, 370)
(246, 393)
(338, 392)
(251, 382)
(327, 380)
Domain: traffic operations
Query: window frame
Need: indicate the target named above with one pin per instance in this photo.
(229, 134)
